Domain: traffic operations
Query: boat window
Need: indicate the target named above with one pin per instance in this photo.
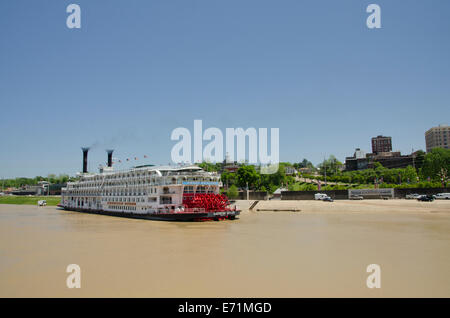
(201, 189)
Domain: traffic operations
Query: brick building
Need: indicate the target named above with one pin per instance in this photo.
(381, 144)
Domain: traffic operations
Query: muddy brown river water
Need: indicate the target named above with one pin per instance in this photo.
(322, 251)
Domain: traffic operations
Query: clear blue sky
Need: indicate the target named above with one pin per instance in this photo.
(138, 69)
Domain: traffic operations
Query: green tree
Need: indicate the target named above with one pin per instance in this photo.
(228, 178)
(434, 162)
(378, 166)
(210, 167)
(232, 192)
(410, 174)
(51, 178)
(331, 165)
(419, 159)
(247, 175)
(304, 164)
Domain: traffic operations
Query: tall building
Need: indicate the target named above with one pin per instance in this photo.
(381, 144)
(437, 137)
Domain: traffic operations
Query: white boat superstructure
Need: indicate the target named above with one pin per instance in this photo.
(167, 192)
(139, 190)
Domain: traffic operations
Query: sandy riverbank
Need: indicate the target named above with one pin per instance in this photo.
(351, 206)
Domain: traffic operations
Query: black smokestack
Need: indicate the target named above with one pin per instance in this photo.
(110, 152)
(85, 153)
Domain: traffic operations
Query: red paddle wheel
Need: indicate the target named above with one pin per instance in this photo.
(208, 201)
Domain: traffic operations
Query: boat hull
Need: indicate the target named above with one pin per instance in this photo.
(180, 216)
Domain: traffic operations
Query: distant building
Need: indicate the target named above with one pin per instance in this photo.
(359, 154)
(231, 168)
(42, 188)
(383, 155)
(289, 170)
(381, 144)
(437, 137)
(229, 165)
(277, 192)
(391, 160)
(356, 164)
(359, 161)
(306, 170)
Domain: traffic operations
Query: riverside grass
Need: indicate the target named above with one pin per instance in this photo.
(29, 200)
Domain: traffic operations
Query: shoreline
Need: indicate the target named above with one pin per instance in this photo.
(348, 206)
(309, 206)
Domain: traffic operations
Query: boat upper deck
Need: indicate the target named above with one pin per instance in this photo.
(146, 175)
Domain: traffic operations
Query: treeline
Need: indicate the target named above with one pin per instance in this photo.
(22, 182)
(432, 167)
(249, 176)
(377, 175)
(313, 187)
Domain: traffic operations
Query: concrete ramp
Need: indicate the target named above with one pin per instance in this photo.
(253, 205)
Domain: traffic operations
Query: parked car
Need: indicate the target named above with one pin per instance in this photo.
(442, 196)
(320, 196)
(426, 198)
(412, 196)
(328, 199)
(42, 203)
(356, 197)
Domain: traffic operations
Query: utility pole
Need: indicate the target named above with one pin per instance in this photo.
(325, 168)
